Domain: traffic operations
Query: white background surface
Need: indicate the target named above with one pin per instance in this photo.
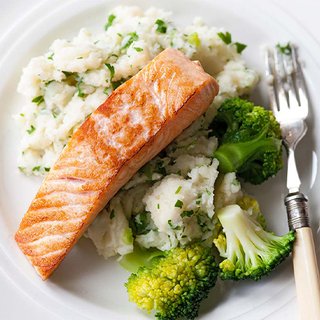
(13, 303)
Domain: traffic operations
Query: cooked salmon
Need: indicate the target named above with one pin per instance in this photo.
(135, 123)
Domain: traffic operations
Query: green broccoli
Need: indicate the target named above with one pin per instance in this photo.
(250, 252)
(175, 284)
(249, 140)
(251, 206)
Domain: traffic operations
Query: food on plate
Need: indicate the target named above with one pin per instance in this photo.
(249, 251)
(63, 86)
(135, 123)
(249, 140)
(174, 284)
(185, 208)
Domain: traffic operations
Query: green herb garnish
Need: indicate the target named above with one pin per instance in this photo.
(194, 39)
(38, 100)
(54, 114)
(47, 169)
(112, 214)
(138, 49)
(178, 189)
(172, 226)
(111, 69)
(186, 213)
(285, 49)
(22, 169)
(140, 224)
(32, 129)
(109, 22)
(161, 26)
(240, 46)
(116, 84)
(50, 57)
(133, 37)
(178, 204)
(225, 37)
(37, 168)
(81, 94)
(67, 73)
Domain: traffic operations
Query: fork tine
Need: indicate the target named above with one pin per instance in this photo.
(269, 59)
(290, 70)
(280, 76)
(299, 80)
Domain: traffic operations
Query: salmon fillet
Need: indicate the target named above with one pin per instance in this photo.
(132, 126)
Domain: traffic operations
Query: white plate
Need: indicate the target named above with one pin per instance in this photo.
(85, 286)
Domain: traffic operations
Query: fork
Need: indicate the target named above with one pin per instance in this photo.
(289, 103)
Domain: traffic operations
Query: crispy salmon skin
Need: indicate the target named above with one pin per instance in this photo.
(135, 123)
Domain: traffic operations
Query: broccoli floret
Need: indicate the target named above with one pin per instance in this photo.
(251, 206)
(175, 284)
(249, 140)
(140, 257)
(250, 252)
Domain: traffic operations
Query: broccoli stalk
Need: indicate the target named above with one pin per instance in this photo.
(250, 252)
(249, 140)
(175, 284)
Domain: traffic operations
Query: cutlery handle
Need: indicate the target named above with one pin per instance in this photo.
(306, 272)
(306, 275)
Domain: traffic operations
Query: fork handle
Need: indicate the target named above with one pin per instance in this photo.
(306, 275)
(306, 272)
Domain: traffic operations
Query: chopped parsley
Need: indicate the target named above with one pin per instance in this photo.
(112, 214)
(198, 201)
(132, 38)
(111, 69)
(22, 169)
(21, 114)
(285, 49)
(178, 204)
(240, 46)
(116, 84)
(67, 73)
(188, 213)
(48, 82)
(140, 224)
(147, 171)
(158, 206)
(172, 226)
(37, 168)
(81, 94)
(38, 100)
(178, 190)
(194, 39)
(50, 57)
(161, 26)
(225, 37)
(208, 192)
(32, 129)
(138, 49)
(54, 113)
(109, 22)
(47, 169)
(106, 91)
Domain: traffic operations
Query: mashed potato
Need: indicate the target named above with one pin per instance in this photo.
(65, 85)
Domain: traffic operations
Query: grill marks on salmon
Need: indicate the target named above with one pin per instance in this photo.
(135, 123)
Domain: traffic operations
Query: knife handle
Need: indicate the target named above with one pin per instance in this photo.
(306, 271)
